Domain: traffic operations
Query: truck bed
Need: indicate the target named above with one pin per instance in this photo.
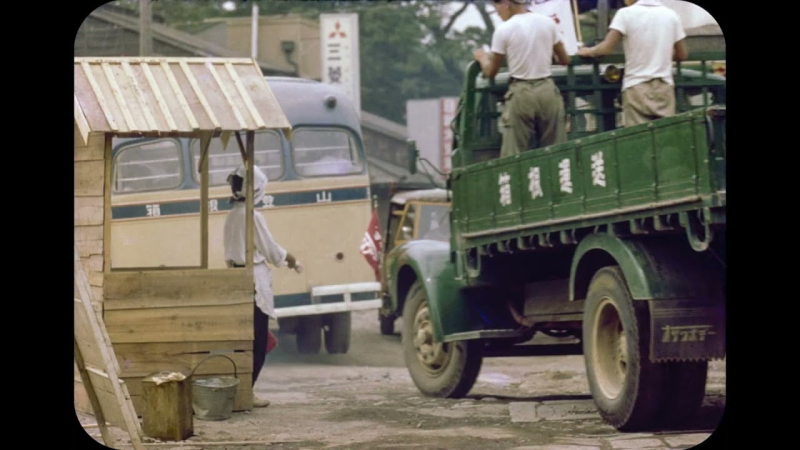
(657, 172)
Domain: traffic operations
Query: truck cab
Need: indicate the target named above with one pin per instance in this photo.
(416, 214)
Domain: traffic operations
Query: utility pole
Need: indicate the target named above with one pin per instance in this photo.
(254, 33)
(145, 38)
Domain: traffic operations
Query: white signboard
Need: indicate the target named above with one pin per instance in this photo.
(339, 48)
(692, 16)
(561, 12)
(448, 109)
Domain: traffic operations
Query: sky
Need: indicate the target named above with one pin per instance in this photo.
(691, 15)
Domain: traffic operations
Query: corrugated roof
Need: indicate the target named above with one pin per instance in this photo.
(177, 96)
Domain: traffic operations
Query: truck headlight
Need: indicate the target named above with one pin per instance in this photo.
(612, 74)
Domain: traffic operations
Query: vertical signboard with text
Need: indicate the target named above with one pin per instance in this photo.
(340, 56)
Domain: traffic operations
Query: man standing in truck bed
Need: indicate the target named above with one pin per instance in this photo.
(652, 37)
(533, 103)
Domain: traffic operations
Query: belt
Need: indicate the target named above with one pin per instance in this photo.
(520, 80)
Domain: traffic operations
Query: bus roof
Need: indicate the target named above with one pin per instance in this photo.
(305, 102)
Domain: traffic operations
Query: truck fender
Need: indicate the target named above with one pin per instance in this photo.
(430, 263)
(654, 268)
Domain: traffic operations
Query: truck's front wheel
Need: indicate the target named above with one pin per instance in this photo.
(625, 385)
(439, 369)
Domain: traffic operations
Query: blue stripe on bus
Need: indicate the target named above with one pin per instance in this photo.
(222, 204)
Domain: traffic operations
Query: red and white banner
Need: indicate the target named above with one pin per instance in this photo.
(371, 245)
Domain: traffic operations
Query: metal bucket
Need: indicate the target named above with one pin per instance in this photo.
(212, 397)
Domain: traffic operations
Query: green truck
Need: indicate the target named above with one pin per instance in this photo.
(616, 237)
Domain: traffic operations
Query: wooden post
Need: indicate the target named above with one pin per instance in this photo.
(90, 392)
(249, 199)
(107, 204)
(205, 141)
(577, 20)
(242, 151)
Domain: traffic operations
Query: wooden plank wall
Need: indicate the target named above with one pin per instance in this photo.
(174, 319)
(88, 224)
(89, 190)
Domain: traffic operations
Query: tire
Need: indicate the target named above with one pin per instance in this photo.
(449, 369)
(625, 385)
(309, 335)
(337, 336)
(387, 325)
(684, 389)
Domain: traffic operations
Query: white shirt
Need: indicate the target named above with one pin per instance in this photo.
(527, 41)
(266, 251)
(649, 33)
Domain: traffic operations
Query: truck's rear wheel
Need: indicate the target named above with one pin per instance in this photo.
(309, 335)
(337, 334)
(625, 385)
(439, 369)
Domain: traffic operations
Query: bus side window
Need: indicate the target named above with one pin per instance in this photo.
(325, 152)
(268, 152)
(148, 166)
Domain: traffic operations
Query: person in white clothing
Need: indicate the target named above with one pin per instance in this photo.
(652, 38)
(267, 250)
(533, 103)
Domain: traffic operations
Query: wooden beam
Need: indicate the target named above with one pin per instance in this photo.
(245, 96)
(242, 151)
(140, 97)
(81, 122)
(205, 141)
(199, 92)
(90, 392)
(249, 199)
(107, 174)
(117, 91)
(228, 98)
(176, 89)
(120, 391)
(162, 103)
(87, 70)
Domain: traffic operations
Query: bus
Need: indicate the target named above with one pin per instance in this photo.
(317, 206)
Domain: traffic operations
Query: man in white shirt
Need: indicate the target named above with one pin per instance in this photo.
(652, 37)
(533, 103)
(266, 251)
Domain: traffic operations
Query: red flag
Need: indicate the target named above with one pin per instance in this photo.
(371, 245)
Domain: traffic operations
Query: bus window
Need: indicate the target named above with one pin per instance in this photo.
(325, 152)
(267, 148)
(148, 166)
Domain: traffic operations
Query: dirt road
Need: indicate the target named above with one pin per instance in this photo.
(366, 400)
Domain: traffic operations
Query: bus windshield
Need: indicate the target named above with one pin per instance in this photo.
(325, 152)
